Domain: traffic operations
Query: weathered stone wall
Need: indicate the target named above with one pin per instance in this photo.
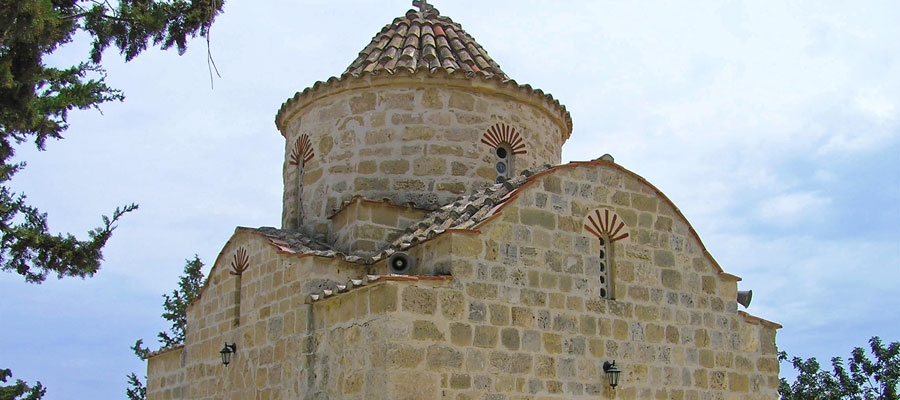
(165, 375)
(521, 318)
(416, 139)
(363, 227)
(271, 325)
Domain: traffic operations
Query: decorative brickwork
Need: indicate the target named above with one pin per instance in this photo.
(302, 151)
(605, 224)
(240, 261)
(500, 134)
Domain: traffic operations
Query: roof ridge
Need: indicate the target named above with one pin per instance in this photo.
(463, 213)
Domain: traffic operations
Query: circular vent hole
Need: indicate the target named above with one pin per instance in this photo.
(501, 152)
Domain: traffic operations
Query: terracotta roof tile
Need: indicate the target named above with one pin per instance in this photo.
(463, 214)
(425, 39)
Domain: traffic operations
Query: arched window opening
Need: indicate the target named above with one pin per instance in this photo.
(605, 262)
(506, 143)
(301, 153)
(608, 228)
(503, 162)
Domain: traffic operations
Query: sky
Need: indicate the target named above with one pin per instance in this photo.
(773, 125)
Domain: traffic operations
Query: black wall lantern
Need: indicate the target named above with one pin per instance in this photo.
(612, 372)
(226, 353)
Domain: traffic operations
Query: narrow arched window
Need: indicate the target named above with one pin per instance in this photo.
(605, 262)
(506, 143)
(607, 227)
(503, 165)
(301, 153)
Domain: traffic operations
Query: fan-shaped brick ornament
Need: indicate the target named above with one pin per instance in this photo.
(603, 222)
(302, 151)
(240, 261)
(500, 134)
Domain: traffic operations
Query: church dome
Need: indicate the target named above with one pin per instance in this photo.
(422, 116)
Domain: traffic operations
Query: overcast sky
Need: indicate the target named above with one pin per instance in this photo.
(773, 125)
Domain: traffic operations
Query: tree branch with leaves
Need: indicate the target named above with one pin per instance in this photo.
(35, 101)
(862, 379)
(175, 311)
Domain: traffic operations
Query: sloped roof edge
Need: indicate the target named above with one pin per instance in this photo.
(163, 350)
(469, 213)
(757, 320)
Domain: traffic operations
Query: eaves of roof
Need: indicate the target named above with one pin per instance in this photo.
(423, 76)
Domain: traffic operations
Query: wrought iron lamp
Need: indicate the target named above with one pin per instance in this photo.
(227, 351)
(612, 373)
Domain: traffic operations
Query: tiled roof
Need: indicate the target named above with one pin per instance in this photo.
(425, 39)
(464, 213)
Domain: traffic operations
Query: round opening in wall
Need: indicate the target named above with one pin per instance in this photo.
(602, 267)
(602, 254)
(501, 167)
(501, 152)
(602, 242)
(603, 293)
(602, 280)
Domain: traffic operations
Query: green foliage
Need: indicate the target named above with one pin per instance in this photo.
(175, 306)
(35, 100)
(175, 311)
(861, 379)
(19, 389)
(137, 390)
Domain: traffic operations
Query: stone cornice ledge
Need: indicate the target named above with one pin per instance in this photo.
(423, 76)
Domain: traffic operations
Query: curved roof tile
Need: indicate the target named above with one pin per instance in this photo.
(425, 39)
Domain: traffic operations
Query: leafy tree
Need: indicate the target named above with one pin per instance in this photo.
(35, 100)
(15, 392)
(174, 311)
(861, 379)
(136, 389)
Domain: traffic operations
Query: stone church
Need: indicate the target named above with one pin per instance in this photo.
(433, 247)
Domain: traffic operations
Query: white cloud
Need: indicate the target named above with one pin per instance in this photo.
(792, 208)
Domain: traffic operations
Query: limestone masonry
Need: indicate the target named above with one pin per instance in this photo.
(432, 248)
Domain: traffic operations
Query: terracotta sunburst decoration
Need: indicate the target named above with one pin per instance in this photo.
(607, 223)
(241, 261)
(502, 133)
(302, 151)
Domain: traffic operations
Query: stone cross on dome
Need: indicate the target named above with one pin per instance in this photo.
(424, 7)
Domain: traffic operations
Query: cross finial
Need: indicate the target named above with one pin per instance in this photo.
(423, 5)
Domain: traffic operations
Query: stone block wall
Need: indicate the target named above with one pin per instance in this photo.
(268, 318)
(166, 375)
(520, 318)
(363, 227)
(417, 140)
(533, 324)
